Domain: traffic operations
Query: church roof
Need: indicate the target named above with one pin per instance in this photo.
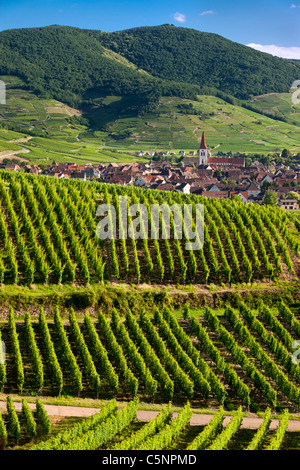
(203, 142)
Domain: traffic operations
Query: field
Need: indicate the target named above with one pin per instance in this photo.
(43, 130)
(227, 127)
(280, 104)
(117, 322)
(233, 363)
(52, 235)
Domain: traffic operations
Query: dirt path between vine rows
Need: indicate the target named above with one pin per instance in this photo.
(249, 422)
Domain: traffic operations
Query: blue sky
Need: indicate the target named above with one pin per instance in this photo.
(270, 25)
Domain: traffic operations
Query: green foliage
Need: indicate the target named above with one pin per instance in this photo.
(165, 51)
(76, 430)
(28, 418)
(13, 420)
(43, 418)
(270, 198)
(18, 362)
(3, 432)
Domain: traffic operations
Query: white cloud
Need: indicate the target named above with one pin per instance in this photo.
(180, 17)
(208, 12)
(294, 6)
(279, 51)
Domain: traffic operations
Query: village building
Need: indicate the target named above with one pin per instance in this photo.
(289, 204)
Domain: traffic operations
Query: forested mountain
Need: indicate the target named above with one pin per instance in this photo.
(69, 63)
(200, 58)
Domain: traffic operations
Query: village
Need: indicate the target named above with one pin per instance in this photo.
(215, 177)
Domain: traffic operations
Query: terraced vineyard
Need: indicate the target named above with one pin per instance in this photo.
(230, 359)
(48, 236)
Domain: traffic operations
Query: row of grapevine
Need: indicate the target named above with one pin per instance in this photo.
(133, 355)
(112, 345)
(78, 429)
(272, 370)
(247, 364)
(200, 383)
(53, 363)
(205, 438)
(68, 355)
(242, 390)
(186, 343)
(150, 356)
(26, 423)
(36, 357)
(103, 430)
(164, 438)
(148, 431)
(261, 433)
(100, 355)
(279, 350)
(17, 357)
(222, 440)
(159, 357)
(170, 363)
(89, 366)
(278, 437)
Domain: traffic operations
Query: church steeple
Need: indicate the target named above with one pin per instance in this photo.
(203, 145)
(203, 152)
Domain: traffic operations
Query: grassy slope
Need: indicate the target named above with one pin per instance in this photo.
(227, 128)
(278, 103)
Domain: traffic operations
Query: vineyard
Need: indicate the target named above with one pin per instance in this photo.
(240, 358)
(117, 428)
(101, 431)
(49, 236)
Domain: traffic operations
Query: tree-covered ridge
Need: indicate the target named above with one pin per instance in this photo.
(67, 63)
(188, 55)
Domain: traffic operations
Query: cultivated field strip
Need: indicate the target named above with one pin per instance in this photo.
(243, 357)
(117, 427)
(114, 428)
(48, 236)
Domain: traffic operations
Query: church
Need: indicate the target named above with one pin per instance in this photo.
(204, 158)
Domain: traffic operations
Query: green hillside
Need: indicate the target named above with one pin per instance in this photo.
(177, 124)
(278, 104)
(200, 58)
(89, 96)
(42, 130)
(67, 63)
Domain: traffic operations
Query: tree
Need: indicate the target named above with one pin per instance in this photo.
(270, 198)
(266, 160)
(217, 173)
(294, 195)
(285, 154)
